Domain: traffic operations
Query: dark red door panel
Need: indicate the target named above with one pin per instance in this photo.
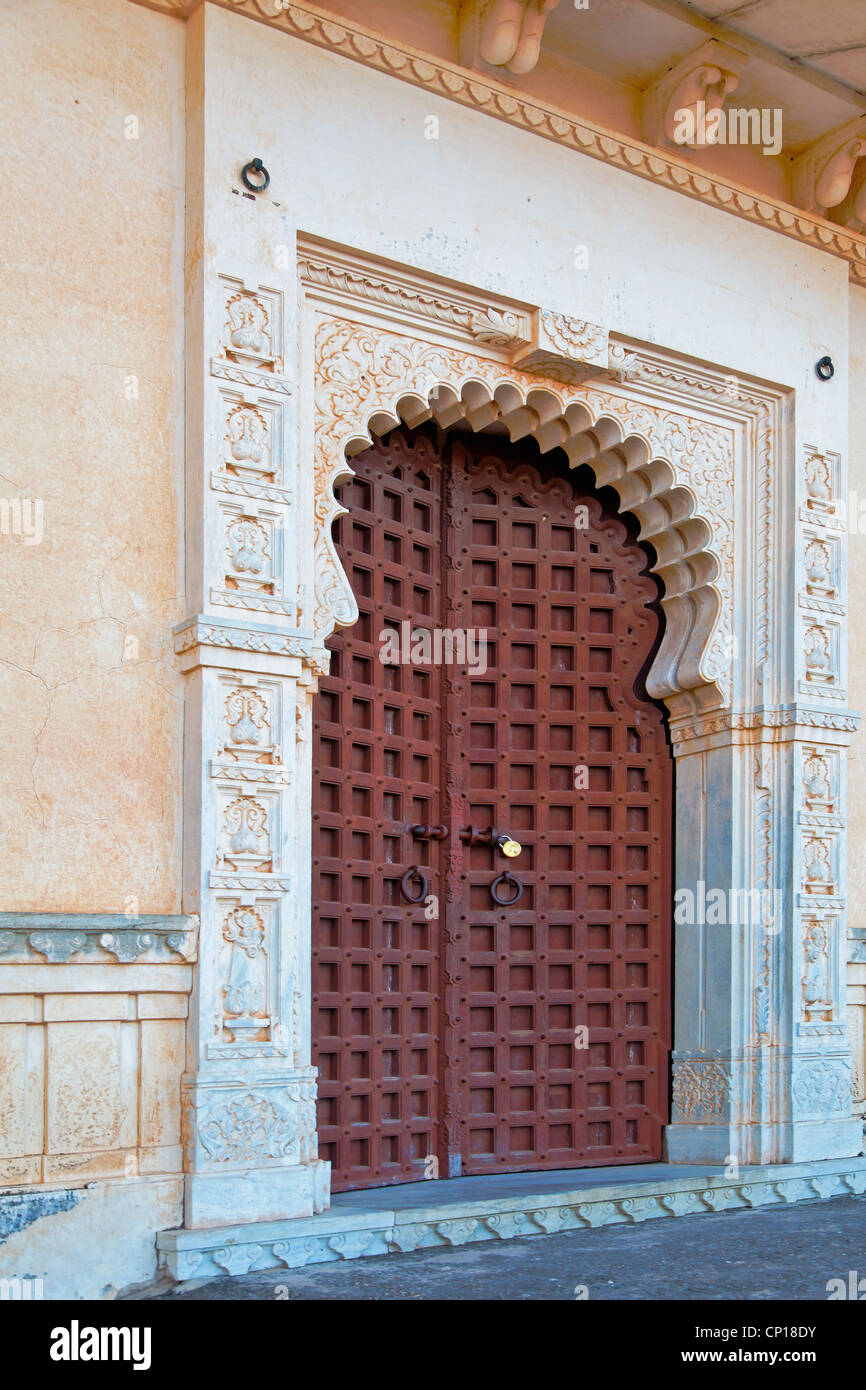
(566, 1013)
(377, 753)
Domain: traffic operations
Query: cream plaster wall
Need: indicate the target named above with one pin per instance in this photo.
(93, 303)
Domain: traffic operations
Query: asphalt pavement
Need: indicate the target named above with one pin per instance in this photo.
(767, 1253)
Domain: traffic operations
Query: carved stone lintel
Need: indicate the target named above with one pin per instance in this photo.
(347, 278)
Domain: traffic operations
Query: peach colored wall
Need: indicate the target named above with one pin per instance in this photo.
(92, 429)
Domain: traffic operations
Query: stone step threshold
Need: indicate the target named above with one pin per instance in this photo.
(455, 1211)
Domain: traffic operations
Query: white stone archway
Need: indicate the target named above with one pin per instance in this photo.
(674, 473)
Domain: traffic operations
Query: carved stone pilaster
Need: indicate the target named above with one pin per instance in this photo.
(765, 988)
(761, 983)
(249, 653)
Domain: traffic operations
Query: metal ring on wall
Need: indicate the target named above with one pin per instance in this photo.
(824, 369)
(258, 168)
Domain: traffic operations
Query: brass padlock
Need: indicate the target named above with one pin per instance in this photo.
(509, 847)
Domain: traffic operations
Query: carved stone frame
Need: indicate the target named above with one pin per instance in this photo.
(703, 460)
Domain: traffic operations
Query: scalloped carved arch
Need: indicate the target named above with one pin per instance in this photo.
(674, 473)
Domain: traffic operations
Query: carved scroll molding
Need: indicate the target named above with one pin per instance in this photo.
(497, 99)
(673, 471)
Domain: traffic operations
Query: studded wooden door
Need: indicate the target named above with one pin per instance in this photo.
(458, 1034)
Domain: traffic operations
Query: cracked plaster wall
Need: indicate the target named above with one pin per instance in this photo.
(90, 762)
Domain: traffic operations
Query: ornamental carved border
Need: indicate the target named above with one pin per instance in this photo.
(673, 471)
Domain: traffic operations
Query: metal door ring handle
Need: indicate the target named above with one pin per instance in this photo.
(413, 873)
(506, 877)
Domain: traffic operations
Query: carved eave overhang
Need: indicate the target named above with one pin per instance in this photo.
(496, 98)
(62, 938)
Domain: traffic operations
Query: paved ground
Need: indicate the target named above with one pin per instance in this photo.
(774, 1253)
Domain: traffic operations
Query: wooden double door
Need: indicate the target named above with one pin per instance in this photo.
(474, 1010)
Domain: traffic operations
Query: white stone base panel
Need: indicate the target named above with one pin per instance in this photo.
(91, 1242)
(357, 1225)
(805, 1141)
(257, 1194)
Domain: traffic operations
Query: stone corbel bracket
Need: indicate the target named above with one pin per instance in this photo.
(56, 938)
(830, 177)
(503, 36)
(573, 350)
(699, 84)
